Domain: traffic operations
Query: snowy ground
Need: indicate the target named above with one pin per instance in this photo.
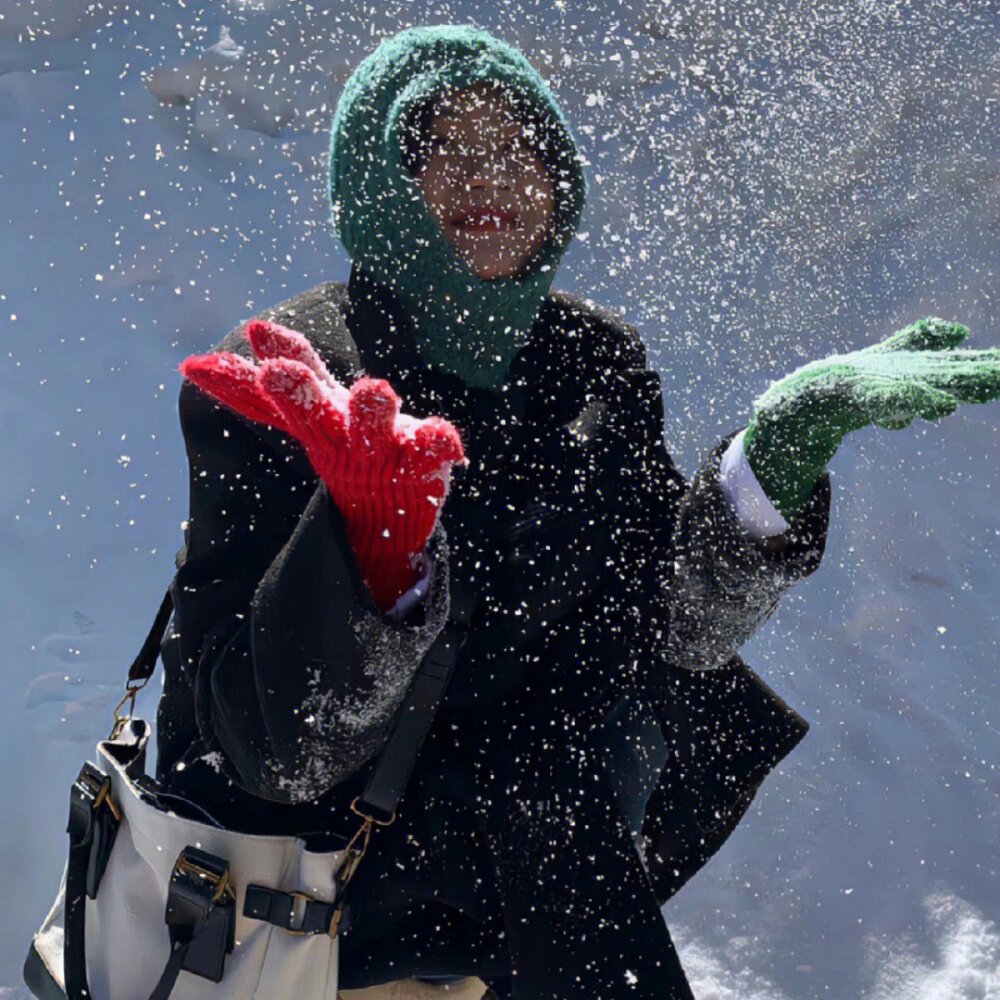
(768, 185)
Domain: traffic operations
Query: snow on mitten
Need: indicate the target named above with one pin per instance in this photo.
(800, 421)
(387, 473)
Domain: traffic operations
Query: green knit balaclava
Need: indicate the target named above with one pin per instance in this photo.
(464, 324)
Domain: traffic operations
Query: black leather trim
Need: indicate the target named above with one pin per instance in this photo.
(38, 979)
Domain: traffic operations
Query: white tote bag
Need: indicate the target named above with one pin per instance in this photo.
(127, 942)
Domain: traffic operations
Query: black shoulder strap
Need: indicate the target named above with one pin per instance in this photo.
(145, 663)
(395, 764)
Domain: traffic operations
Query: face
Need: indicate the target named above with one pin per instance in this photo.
(485, 187)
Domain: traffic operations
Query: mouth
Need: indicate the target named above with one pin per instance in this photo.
(487, 219)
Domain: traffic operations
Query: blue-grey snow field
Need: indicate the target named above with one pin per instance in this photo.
(769, 184)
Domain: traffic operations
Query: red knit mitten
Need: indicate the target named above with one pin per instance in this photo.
(386, 472)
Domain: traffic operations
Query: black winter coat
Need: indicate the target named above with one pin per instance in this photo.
(607, 599)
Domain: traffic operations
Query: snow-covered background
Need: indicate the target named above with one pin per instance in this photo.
(769, 183)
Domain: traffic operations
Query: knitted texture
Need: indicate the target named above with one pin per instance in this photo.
(386, 472)
(800, 421)
(465, 324)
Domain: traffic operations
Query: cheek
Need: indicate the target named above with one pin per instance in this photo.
(541, 197)
(537, 183)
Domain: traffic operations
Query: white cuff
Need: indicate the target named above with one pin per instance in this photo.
(756, 515)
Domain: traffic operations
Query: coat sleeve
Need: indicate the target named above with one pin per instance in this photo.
(701, 584)
(718, 583)
(278, 661)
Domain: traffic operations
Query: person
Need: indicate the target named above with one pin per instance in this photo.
(600, 737)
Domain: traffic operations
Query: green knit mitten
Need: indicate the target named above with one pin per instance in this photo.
(800, 421)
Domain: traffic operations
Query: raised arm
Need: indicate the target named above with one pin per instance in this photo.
(282, 658)
(702, 581)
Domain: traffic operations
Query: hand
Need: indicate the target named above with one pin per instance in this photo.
(387, 473)
(800, 421)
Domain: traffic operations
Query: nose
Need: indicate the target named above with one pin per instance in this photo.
(486, 181)
(485, 168)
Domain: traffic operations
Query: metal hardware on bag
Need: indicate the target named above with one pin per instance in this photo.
(188, 865)
(105, 797)
(201, 912)
(338, 916)
(305, 898)
(98, 784)
(94, 819)
(369, 818)
(364, 835)
(297, 913)
(121, 721)
(355, 852)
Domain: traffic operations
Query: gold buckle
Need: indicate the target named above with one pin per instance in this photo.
(306, 898)
(221, 884)
(102, 794)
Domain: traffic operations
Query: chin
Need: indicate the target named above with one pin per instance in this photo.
(494, 273)
(495, 266)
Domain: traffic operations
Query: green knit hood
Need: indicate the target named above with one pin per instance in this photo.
(464, 324)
